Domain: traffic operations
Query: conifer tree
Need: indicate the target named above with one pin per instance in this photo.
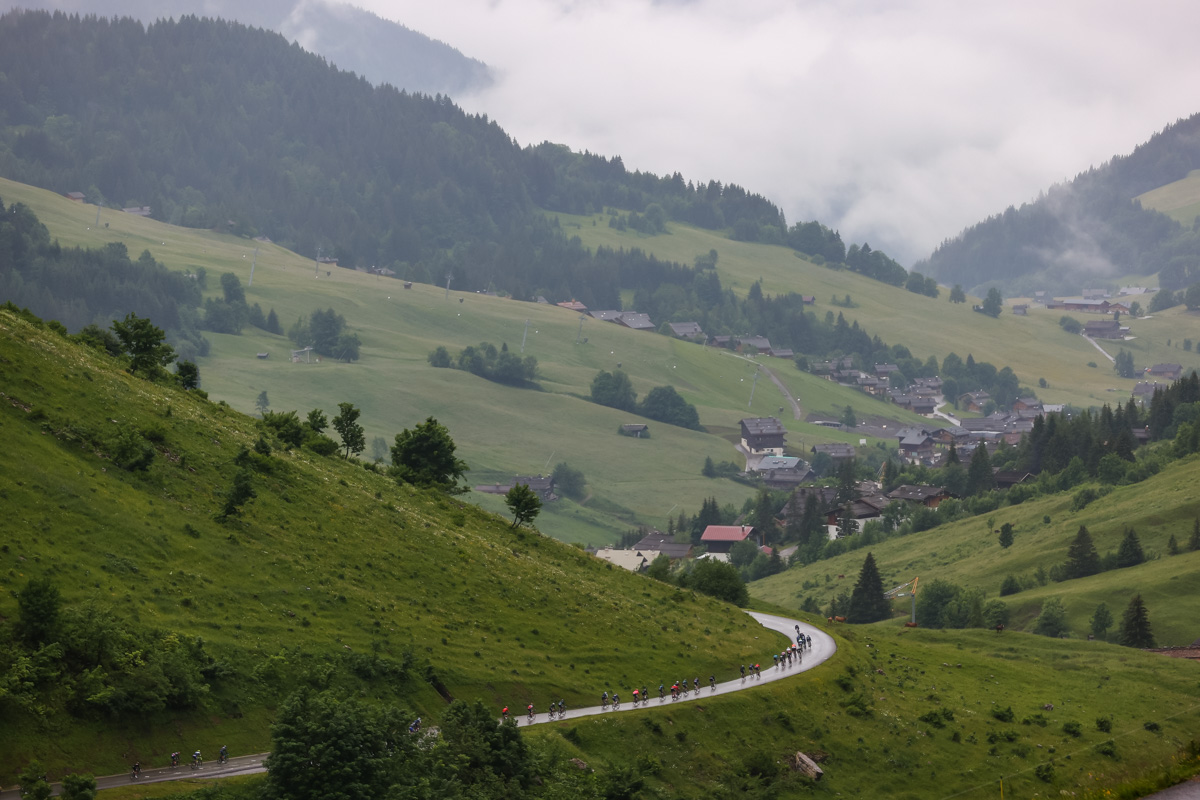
(1082, 558)
(1006, 535)
(1194, 539)
(1172, 546)
(1101, 621)
(980, 477)
(1130, 552)
(1135, 625)
(867, 602)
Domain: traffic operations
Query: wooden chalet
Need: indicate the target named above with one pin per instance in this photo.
(632, 319)
(1166, 372)
(928, 496)
(635, 429)
(862, 511)
(686, 330)
(1103, 329)
(973, 401)
(722, 538)
(835, 450)
(763, 436)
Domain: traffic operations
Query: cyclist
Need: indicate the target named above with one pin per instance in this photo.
(224, 755)
(197, 761)
(175, 759)
(137, 771)
(660, 691)
(696, 684)
(562, 708)
(712, 682)
(645, 696)
(616, 701)
(504, 713)
(604, 700)
(635, 698)
(529, 708)
(743, 672)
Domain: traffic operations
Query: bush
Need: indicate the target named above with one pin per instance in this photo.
(1073, 729)
(1004, 714)
(1044, 772)
(1104, 724)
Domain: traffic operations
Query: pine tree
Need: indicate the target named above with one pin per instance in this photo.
(867, 602)
(1082, 558)
(1194, 539)
(1172, 546)
(980, 477)
(952, 455)
(1135, 625)
(1130, 553)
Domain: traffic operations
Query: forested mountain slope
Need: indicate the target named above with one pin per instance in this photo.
(213, 124)
(379, 50)
(1086, 231)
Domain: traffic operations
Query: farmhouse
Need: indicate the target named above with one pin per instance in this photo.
(973, 401)
(836, 451)
(862, 511)
(1168, 372)
(763, 436)
(656, 543)
(1021, 310)
(928, 496)
(1094, 306)
(686, 330)
(635, 429)
(76, 196)
(1143, 391)
(632, 560)
(604, 316)
(632, 319)
(721, 538)
(783, 472)
(759, 343)
(1104, 329)
(573, 305)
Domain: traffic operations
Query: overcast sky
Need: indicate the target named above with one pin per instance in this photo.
(897, 121)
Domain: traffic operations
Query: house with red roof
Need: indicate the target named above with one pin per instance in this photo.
(720, 538)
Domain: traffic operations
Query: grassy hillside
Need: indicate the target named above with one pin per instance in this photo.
(1034, 346)
(501, 431)
(335, 572)
(1179, 200)
(968, 553)
(330, 560)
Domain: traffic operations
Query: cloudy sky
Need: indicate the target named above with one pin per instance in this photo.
(896, 121)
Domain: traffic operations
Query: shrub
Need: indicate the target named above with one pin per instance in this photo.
(1104, 724)
(1003, 714)
(1107, 748)
(1044, 772)
(1072, 729)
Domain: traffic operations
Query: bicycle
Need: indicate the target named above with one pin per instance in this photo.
(135, 772)
(531, 715)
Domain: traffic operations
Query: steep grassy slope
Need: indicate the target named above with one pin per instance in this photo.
(968, 553)
(1179, 200)
(501, 431)
(1034, 346)
(329, 561)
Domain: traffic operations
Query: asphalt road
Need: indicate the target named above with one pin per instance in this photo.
(822, 649)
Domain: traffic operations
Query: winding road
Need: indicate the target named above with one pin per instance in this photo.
(823, 648)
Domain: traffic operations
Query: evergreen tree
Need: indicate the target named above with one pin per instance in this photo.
(273, 325)
(1101, 621)
(1053, 619)
(1194, 539)
(993, 303)
(957, 295)
(1135, 625)
(952, 455)
(1172, 546)
(867, 601)
(891, 477)
(980, 477)
(262, 403)
(240, 492)
(1130, 553)
(1082, 558)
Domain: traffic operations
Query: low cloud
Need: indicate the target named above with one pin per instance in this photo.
(898, 123)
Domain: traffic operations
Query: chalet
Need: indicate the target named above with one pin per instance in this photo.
(632, 319)
(823, 496)
(138, 211)
(1103, 329)
(327, 261)
(1133, 291)
(1041, 298)
(944, 437)
(656, 543)
(1143, 391)
(1021, 310)
(605, 316)
(573, 305)
(915, 445)
(836, 451)
(808, 299)
(1089, 305)
(1168, 372)
(635, 429)
(933, 384)
(781, 352)
(540, 299)
(632, 560)
(721, 538)
(901, 398)
(78, 197)
(885, 370)
(721, 341)
(863, 510)
(763, 436)
(783, 472)
(1027, 404)
(973, 401)
(928, 496)
(686, 330)
(923, 405)
(1007, 478)
(544, 487)
(760, 343)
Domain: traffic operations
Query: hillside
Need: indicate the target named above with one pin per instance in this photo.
(631, 481)
(1179, 200)
(355, 40)
(1085, 232)
(967, 553)
(335, 577)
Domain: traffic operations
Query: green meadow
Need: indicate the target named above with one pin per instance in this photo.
(1179, 200)
(501, 431)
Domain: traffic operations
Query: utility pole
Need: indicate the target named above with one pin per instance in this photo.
(253, 261)
(752, 387)
(523, 335)
(317, 264)
(448, 277)
(578, 335)
(97, 215)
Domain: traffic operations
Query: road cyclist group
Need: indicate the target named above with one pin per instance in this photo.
(197, 762)
(791, 655)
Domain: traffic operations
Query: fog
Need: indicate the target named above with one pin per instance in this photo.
(898, 123)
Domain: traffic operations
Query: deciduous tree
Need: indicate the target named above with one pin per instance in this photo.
(144, 344)
(424, 456)
(351, 433)
(524, 504)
